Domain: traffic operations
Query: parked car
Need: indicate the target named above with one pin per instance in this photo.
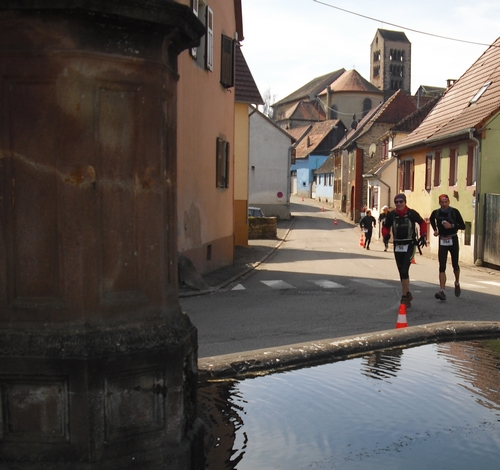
(255, 212)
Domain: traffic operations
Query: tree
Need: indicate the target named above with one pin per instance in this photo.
(269, 99)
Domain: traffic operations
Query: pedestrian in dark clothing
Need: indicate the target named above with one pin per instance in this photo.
(386, 233)
(446, 222)
(403, 222)
(367, 223)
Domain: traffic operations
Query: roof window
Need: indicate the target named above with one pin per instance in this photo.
(480, 93)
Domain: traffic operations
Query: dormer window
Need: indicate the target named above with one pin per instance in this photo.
(480, 93)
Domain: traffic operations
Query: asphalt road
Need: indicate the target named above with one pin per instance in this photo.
(321, 284)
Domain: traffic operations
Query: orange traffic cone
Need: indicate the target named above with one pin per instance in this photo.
(302, 198)
(402, 322)
(335, 221)
(362, 239)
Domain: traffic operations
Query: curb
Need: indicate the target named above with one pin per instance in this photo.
(241, 274)
(282, 358)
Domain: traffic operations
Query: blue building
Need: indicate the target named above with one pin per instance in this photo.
(311, 152)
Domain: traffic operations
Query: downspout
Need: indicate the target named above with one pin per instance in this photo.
(479, 237)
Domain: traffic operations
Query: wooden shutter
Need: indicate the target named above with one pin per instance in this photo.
(401, 176)
(227, 62)
(209, 51)
(412, 174)
(428, 172)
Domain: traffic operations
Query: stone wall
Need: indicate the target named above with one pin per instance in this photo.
(262, 227)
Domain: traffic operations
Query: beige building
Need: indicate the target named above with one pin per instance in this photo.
(206, 137)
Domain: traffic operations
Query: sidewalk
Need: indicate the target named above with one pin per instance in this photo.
(245, 260)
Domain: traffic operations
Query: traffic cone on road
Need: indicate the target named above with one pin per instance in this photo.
(302, 198)
(401, 321)
(362, 239)
(335, 221)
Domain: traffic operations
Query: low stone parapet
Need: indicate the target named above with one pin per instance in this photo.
(262, 227)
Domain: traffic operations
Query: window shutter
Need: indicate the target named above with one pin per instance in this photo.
(209, 54)
(412, 174)
(401, 176)
(195, 8)
(428, 172)
(227, 62)
(222, 164)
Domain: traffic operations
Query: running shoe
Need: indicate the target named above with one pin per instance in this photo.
(406, 300)
(440, 295)
(458, 291)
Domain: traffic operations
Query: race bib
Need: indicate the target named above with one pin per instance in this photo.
(446, 242)
(365, 230)
(401, 248)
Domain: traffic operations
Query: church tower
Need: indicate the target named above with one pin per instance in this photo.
(390, 62)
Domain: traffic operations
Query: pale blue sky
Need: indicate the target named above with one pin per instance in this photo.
(289, 42)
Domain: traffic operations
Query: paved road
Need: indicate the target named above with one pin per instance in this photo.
(320, 284)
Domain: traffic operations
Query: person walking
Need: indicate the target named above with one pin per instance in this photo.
(403, 222)
(386, 233)
(367, 223)
(446, 222)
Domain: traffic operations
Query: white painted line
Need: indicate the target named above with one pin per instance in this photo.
(278, 284)
(238, 287)
(326, 284)
(372, 283)
(490, 283)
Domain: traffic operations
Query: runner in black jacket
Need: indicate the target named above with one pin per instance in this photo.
(446, 222)
(403, 221)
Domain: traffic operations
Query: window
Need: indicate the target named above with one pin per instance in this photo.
(227, 62)
(453, 167)
(222, 163)
(480, 93)
(471, 165)
(334, 112)
(367, 105)
(204, 53)
(437, 168)
(428, 172)
(406, 175)
(385, 149)
(209, 36)
(195, 6)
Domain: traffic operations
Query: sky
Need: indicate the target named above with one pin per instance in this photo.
(287, 43)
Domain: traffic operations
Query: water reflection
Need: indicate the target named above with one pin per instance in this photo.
(435, 405)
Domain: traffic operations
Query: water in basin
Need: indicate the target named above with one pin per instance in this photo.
(432, 406)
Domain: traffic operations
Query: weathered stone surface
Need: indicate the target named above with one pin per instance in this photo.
(264, 361)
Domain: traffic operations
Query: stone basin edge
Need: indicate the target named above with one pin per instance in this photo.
(294, 356)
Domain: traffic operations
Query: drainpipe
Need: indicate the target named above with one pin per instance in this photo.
(478, 238)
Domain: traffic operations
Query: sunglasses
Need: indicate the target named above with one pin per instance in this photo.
(399, 201)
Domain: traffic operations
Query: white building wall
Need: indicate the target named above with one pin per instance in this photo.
(269, 172)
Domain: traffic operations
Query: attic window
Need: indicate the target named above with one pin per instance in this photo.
(480, 93)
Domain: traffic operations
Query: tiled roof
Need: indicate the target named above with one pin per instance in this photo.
(454, 114)
(327, 167)
(246, 90)
(397, 107)
(298, 132)
(305, 111)
(319, 131)
(412, 121)
(313, 87)
(393, 35)
(352, 81)
(377, 169)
